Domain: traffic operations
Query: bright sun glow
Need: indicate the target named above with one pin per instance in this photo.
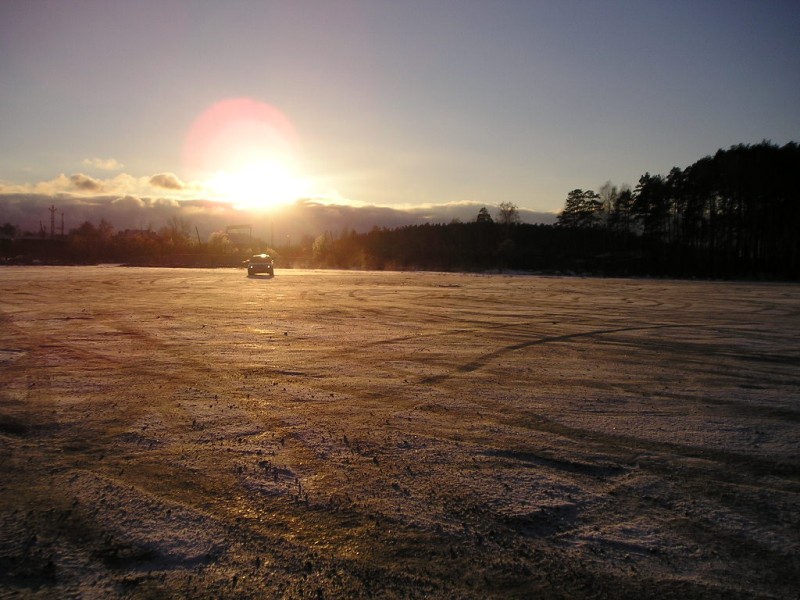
(246, 153)
(258, 185)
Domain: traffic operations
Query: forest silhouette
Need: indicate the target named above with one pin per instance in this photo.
(731, 215)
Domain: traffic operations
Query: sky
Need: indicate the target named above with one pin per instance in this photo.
(401, 105)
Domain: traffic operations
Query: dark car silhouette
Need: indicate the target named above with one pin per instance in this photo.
(260, 263)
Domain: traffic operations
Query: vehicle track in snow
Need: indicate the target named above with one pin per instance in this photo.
(196, 432)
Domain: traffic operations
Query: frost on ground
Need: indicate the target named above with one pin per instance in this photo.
(198, 433)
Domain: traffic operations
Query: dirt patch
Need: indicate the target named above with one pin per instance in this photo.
(197, 433)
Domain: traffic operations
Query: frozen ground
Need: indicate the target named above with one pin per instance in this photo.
(195, 433)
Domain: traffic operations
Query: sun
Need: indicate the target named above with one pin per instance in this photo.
(259, 185)
(245, 152)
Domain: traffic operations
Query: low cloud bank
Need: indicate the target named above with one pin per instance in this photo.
(30, 212)
(311, 217)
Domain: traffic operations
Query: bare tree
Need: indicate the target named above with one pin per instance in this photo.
(508, 213)
(607, 195)
(177, 232)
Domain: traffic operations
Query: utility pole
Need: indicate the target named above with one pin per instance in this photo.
(62, 223)
(52, 210)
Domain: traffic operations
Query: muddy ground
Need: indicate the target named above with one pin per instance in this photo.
(198, 433)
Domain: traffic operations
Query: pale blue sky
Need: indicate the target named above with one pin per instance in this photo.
(403, 102)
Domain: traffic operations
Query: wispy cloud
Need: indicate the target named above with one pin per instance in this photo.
(104, 164)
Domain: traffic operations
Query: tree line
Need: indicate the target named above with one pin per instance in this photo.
(175, 244)
(733, 214)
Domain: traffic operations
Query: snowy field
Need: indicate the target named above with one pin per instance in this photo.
(324, 434)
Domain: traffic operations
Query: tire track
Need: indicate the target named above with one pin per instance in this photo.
(489, 357)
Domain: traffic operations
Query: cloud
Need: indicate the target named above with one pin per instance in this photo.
(468, 211)
(167, 181)
(304, 219)
(85, 183)
(104, 164)
(121, 184)
(129, 201)
(311, 217)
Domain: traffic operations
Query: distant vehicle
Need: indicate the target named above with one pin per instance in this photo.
(260, 263)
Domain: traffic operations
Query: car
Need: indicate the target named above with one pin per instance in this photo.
(260, 263)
